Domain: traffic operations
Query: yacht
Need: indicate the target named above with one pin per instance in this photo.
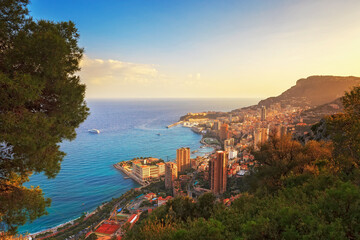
(96, 131)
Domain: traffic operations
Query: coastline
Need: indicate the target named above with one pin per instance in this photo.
(53, 230)
(119, 140)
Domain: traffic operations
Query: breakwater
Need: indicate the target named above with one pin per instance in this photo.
(174, 124)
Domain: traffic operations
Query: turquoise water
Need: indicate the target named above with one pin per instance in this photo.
(128, 129)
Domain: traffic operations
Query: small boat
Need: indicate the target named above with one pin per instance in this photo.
(96, 131)
(126, 177)
(158, 134)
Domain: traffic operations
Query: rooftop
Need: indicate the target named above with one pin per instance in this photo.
(108, 228)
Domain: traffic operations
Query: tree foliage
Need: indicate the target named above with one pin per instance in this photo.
(41, 104)
(92, 236)
(280, 158)
(344, 131)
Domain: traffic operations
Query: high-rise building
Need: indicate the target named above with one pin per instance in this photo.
(171, 174)
(264, 135)
(224, 132)
(261, 135)
(216, 125)
(218, 172)
(183, 159)
(263, 113)
(257, 137)
(279, 130)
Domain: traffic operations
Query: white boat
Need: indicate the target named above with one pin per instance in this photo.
(96, 131)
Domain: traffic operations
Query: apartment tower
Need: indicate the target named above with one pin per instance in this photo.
(183, 159)
(263, 113)
(218, 172)
(171, 174)
(224, 132)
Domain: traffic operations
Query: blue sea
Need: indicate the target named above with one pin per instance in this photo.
(129, 129)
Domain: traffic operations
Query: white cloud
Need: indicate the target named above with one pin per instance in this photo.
(104, 72)
(109, 78)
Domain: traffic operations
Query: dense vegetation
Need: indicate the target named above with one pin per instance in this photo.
(41, 104)
(297, 191)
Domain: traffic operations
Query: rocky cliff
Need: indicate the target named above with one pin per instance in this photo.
(313, 91)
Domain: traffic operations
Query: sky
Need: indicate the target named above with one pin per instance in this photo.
(208, 49)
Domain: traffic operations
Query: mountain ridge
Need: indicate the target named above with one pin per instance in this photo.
(313, 91)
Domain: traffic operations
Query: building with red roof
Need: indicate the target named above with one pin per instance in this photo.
(150, 196)
(107, 229)
(133, 219)
(162, 201)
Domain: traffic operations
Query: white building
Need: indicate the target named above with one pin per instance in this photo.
(233, 154)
